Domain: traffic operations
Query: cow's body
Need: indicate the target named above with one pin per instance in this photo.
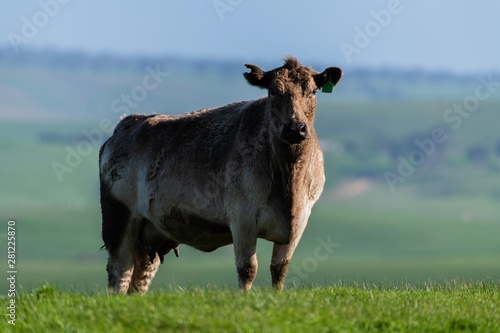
(206, 179)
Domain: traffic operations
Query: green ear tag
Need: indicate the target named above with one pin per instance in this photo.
(328, 86)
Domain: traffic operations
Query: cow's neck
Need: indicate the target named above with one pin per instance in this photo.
(292, 163)
(291, 180)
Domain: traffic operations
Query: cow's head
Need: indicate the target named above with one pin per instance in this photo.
(292, 96)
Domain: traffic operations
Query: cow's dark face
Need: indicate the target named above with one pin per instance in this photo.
(292, 96)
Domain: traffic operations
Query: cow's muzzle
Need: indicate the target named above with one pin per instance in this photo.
(294, 131)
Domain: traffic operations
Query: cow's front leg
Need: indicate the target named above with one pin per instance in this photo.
(282, 254)
(279, 264)
(245, 244)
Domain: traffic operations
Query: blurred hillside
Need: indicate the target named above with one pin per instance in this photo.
(47, 85)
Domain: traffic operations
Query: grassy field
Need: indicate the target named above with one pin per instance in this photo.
(451, 307)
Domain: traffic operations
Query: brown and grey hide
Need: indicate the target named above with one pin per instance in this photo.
(214, 177)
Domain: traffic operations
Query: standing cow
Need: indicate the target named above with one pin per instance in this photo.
(213, 177)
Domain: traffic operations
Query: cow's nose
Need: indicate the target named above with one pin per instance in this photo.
(295, 131)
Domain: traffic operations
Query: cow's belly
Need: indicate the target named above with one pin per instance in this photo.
(195, 231)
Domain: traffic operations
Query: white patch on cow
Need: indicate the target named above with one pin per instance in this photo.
(143, 191)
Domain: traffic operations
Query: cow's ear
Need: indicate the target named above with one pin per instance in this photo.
(257, 77)
(331, 73)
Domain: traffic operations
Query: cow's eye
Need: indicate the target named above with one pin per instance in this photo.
(271, 91)
(314, 92)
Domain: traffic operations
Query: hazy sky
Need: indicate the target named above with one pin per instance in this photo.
(457, 35)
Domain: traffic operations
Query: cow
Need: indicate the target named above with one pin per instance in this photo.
(214, 177)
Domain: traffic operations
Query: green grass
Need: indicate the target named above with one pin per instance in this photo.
(449, 307)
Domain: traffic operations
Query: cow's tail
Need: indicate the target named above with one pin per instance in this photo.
(115, 217)
(115, 214)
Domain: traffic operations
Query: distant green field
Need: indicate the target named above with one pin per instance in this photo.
(456, 306)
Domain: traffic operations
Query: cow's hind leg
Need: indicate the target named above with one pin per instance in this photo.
(119, 233)
(120, 265)
(144, 271)
(146, 259)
